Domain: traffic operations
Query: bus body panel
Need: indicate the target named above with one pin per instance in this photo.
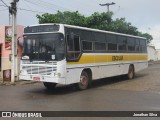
(102, 68)
(98, 72)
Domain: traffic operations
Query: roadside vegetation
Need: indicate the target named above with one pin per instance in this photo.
(102, 21)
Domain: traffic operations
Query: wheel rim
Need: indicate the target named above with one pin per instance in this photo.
(84, 81)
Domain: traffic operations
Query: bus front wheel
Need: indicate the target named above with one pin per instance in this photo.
(131, 72)
(84, 81)
(49, 86)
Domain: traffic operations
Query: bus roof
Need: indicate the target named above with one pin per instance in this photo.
(85, 28)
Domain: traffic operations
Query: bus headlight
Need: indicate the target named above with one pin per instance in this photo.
(56, 74)
(23, 72)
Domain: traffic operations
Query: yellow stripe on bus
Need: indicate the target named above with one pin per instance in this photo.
(85, 59)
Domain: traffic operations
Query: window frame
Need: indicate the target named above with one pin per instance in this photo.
(131, 44)
(122, 42)
(100, 50)
(88, 42)
(108, 40)
(72, 52)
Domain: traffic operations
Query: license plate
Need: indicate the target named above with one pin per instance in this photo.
(36, 78)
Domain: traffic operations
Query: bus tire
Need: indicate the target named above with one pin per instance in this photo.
(131, 72)
(49, 86)
(84, 81)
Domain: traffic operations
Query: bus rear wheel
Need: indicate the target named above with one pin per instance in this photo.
(131, 72)
(84, 81)
(49, 86)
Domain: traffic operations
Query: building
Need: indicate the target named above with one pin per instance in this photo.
(152, 53)
(5, 46)
(158, 54)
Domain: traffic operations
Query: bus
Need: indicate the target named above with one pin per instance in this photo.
(67, 54)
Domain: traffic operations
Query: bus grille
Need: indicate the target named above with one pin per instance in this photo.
(39, 70)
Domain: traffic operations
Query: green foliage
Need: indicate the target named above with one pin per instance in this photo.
(102, 21)
(147, 36)
(121, 26)
(72, 18)
(99, 21)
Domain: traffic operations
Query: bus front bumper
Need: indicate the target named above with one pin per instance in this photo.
(43, 78)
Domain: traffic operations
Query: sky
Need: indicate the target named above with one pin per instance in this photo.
(143, 14)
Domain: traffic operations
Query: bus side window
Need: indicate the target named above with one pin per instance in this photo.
(137, 49)
(122, 41)
(142, 46)
(112, 43)
(73, 47)
(131, 44)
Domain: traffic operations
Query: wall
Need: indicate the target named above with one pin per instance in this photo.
(2, 37)
(152, 53)
(158, 54)
(6, 64)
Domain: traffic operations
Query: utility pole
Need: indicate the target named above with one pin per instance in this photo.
(107, 4)
(10, 11)
(13, 11)
(9, 18)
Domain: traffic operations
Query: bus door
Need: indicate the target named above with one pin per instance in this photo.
(73, 47)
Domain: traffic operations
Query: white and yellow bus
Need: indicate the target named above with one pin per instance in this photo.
(66, 54)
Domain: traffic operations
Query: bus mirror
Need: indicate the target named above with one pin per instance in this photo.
(18, 41)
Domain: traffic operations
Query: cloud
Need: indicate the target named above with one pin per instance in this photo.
(155, 31)
(141, 13)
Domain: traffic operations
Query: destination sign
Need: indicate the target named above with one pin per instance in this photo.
(41, 28)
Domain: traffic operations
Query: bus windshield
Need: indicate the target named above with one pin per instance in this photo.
(44, 47)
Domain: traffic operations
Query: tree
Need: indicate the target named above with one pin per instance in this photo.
(72, 18)
(121, 26)
(147, 36)
(99, 21)
(102, 21)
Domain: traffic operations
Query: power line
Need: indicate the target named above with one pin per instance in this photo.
(27, 4)
(24, 9)
(49, 3)
(3, 6)
(41, 5)
(75, 9)
(30, 10)
(117, 10)
(4, 3)
(3, 10)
